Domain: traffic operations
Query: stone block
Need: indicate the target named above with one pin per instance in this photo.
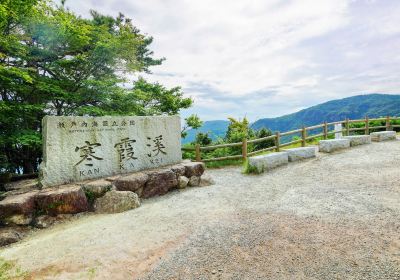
(269, 161)
(194, 169)
(296, 154)
(18, 220)
(134, 182)
(328, 146)
(183, 182)
(194, 181)
(179, 170)
(67, 199)
(98, 188)
(206, 180)
(383, 136)
(356, 140)
(116, 202)
(160, 182)
(10, 235)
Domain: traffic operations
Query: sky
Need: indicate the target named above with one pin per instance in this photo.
(266, 58)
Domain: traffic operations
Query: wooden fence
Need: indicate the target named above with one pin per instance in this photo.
(303, 132)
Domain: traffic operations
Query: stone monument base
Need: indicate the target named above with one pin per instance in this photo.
(22, 208)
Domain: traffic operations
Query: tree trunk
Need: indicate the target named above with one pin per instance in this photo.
(28, 167)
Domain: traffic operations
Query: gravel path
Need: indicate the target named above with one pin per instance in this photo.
(333, 217)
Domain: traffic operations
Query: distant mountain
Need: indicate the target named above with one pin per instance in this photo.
(355, 107)
(216, 129)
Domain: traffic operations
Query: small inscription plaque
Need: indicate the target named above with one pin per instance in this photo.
(82, 148)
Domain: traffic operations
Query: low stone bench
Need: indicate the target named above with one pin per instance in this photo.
(269, 161)
(296, 154)
(383, 136)
(328, 146)
(356, 140)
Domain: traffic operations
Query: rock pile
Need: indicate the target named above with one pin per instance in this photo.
(42, 208)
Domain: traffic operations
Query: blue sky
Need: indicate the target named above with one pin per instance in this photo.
(260, 58)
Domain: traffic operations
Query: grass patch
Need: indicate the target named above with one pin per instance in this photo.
(8, 271)
(249, 169)
(224, 163)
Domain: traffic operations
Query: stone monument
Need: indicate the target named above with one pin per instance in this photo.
(82, 148)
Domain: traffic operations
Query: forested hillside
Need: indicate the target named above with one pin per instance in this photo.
(355, 107)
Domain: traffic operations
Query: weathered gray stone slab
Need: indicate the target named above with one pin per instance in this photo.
(82, 148)
(356, 140)
(269, 161)
(328, 146)
(296, 154)
(383, 136)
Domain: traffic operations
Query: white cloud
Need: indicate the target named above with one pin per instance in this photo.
(305, 51)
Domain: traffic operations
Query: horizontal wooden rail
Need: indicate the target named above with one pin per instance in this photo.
(188, 149)
(354, 121)
(291, 132)
(262, 150)
(357, 128)
(377, 119)
(315, 127)
(346, 129)
(223, 158)
(314, 136)
(262, 139)
(337, 122)
(207, 148)
(291, 143)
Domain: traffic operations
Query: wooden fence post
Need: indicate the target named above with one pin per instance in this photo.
(366, 125)
(325, 130)
(244, 149)
(198, 152)
(387, 123)
(277, 140)
(347, 127)
(303, 136)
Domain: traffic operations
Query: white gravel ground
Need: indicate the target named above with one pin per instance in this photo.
(333, 217)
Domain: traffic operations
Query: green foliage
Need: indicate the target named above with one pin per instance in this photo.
(249, 169)
(191, 122)
(236, 132)
(90, 196)
(224, 163)
(54, 62)
(146, 99)
(373, 124)
(203, 139)
(264, 132)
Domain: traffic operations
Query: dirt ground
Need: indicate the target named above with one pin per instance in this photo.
(333, 217)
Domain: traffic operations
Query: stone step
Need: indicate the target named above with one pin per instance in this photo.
(383, 136)
(267, 162)
(328, 146)
(356, 140)
(296, 154)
